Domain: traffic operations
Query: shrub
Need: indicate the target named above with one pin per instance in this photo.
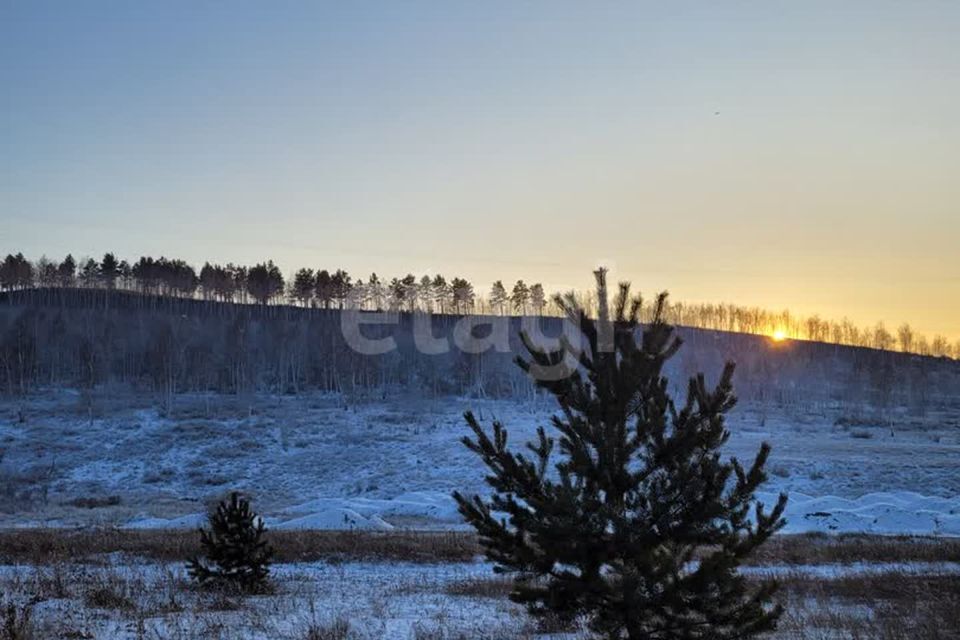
(17, 623)
(236, 553)
(338, 629)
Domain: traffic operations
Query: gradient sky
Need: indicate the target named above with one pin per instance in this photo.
(783, 154)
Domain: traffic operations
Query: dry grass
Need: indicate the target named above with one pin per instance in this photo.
(882, 606)
(16, 623)
(498, 587)
(47, 546)
(885, 606)
(850, 548)
(338, 629)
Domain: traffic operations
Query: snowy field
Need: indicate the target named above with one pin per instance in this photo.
(319, 461)
(123, 597)
(322, 462)
(386, 466)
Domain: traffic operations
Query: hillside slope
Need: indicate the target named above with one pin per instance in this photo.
(88, 338)
(324, 461)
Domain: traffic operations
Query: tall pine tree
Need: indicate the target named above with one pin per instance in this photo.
(640, 526)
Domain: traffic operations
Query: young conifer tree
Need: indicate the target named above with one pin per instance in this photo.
(640, 526)
(236, 553)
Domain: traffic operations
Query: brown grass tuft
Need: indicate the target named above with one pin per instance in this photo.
(47, 546)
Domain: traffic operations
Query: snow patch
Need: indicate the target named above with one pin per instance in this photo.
(191, 521)
(335, 518)
(900, 512)
(896, 513)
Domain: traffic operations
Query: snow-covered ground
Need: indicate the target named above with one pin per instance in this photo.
(148, 600)
(317, 461)
(122, 597)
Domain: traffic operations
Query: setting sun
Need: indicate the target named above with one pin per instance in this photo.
(779, 335)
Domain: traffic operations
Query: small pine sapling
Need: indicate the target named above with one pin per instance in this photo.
(236, 554)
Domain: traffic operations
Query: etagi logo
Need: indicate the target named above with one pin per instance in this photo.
(473, 334)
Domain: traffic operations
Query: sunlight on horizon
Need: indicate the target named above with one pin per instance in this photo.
(503, 141)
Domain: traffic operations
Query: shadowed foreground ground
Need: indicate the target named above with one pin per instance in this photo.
(338, 585)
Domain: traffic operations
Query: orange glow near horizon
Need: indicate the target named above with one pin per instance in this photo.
(779, 335)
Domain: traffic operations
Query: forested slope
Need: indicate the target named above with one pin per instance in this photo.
(90, 337)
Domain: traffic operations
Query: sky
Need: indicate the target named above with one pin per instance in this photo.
(800, 155)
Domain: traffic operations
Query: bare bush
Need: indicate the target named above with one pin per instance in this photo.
(18, 623)
(338, 629)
